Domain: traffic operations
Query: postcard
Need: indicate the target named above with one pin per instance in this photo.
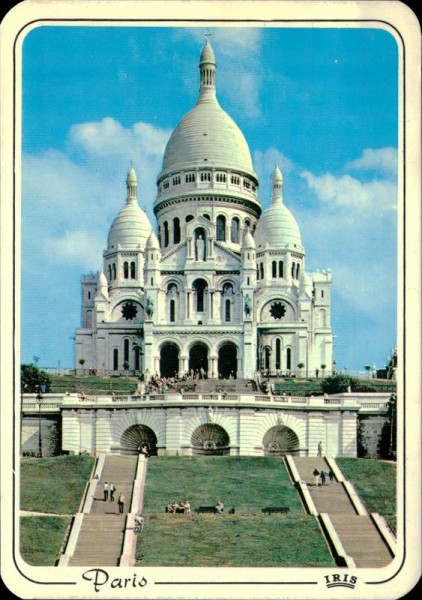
(210, 257)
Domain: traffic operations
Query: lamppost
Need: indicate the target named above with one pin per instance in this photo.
(39, 398)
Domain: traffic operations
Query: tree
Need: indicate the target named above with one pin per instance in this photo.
(32, 378)
(368, 368)
(126, 365)
(323, 367)
(337, 384)
(300, 367)
(81, 362)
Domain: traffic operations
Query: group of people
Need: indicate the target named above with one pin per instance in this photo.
(109, 490)
(323, 476)
(179, 507)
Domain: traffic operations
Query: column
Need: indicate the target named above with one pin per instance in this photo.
(211, 312)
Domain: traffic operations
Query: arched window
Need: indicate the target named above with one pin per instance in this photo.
(199, 287)
(280, 268)
(261, 271)
(132, 270)
(159, 236)
(274, 268)
(288, 359)
(126, 350)
(293, 269)
(114, 270)
(109, 272)
(172, 311)
(228, 310)
(115, 359)
(257, 272)
(176, 230)
(126, 270)
(166, 234)
(247, 223)
(221, 228)
(278, 353)
(297, 270)
(234, 230)
(189, 218)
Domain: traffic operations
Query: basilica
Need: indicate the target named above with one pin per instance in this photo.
(217, 286)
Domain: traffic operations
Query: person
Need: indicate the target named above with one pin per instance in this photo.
(112, 489)
(219, 507)
(319, 448)
(200, 248)
(121, 502)
(331, 476)
(106, 488)
(187, 507)
(323, 475)
(316, 476)
(139, 523)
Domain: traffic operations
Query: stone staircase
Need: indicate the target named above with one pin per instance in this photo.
(358, 534)
(101, 536)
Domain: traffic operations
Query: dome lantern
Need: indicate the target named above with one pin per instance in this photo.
(207, 67)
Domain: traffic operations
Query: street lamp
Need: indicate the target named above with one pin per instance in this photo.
(39, 398)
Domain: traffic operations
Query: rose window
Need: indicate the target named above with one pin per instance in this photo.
(277, 310)
(129, 311)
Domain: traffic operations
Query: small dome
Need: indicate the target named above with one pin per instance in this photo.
(305, 280)
(248, 241)
(102, 280)
(130, 228)
(277, 176)
(207, 54)
(277, 227)
(152, 242)
(131, 176)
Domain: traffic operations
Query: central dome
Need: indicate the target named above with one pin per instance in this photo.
(207, 136)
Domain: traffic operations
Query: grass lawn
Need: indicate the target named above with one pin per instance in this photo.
(232, 541)
(41, 539)
(54, 485)
(93, 384)
(246, 483)
(375, 481)
(247, 538)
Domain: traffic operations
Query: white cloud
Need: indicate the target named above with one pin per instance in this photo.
(348, 192)
(383, 159)
(69, 200)
(109, 138)
(81, 247)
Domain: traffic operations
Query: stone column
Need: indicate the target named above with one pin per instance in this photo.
(211, 312)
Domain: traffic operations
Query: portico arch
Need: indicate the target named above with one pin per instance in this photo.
(280, 440)
(198, 357)
(210, 440)
(136, 437)
(169, 360)
(227, 360)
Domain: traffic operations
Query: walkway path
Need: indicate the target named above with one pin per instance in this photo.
(358, 534)
(101, 536)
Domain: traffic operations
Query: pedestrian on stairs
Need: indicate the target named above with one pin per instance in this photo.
(316, 476)
(323, 476)
(320, 449)
(121, 503)
(112, 490)
(331, 476)
(106, 488)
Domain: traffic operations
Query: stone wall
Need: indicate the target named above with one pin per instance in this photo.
(51, 435)
(372, 433)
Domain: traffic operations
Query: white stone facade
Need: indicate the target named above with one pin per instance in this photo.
(219, 286)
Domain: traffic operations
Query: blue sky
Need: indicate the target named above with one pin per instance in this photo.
(321, 102)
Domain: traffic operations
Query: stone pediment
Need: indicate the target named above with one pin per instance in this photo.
(175, 258)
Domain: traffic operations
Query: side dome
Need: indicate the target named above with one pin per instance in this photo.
(207, 136)
(277, 227)
(131, 227)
